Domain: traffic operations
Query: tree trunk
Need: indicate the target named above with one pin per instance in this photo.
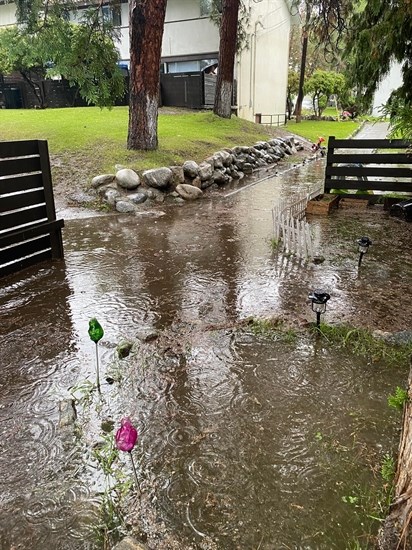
(37, 88)
(305, 38)
(146, 32)
(227, 51)
(298, 107)
(396, 532)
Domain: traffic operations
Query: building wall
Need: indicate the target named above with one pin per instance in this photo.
(7, 14)
(391, 82)
(186, 32)
(262, 69)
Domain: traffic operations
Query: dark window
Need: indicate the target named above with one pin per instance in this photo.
(112, 14)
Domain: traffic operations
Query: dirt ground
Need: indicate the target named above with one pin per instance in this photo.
(71, 178)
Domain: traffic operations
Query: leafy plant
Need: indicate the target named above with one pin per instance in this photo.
(398, 399)
(388, 467)
(112, 522)
(273, 329)
(274, 243)
(363, 343)
(82, 392)
(350, 499)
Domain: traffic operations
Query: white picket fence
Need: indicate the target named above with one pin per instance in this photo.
(289, 225)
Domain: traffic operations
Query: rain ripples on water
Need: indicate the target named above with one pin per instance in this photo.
(249, 443)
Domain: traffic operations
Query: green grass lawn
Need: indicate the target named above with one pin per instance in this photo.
(312, 129)
(97, 138)
(102, 134)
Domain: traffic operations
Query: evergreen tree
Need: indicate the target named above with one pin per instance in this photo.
(381, 33)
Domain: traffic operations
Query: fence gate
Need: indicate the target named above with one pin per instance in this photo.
(368, 165)
(29, 231)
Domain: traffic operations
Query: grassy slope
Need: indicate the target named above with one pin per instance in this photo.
(94, 140)
(102, 134)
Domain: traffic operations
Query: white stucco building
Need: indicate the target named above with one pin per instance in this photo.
(389, 83)
(191, 42)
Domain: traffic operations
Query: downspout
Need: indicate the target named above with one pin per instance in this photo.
(253, 75)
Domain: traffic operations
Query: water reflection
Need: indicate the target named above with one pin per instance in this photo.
(229, 430)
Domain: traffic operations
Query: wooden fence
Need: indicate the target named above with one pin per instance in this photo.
(368, 164)
(29, 231)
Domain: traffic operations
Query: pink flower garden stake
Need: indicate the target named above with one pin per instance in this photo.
(125, 438)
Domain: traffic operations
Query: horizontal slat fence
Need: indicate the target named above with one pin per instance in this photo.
(29, 231)
(366, 164)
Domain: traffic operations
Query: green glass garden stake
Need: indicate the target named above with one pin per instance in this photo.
(96, 333)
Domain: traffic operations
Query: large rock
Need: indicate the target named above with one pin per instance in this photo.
(205, 171)
(247, 168)
(103, 179)
(159, 178)
(67, 413)
(129, 543)
(191, 169)
(178, 175)
(137, 198)
(189, 192)
(127, 178)
(220, 177)
(111, 196)
(124, 207)
(241, 149)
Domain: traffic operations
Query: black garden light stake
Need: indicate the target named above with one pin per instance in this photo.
(319, 300)
(364, 244)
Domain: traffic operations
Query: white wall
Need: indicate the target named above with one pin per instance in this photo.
(263, 67)
(190, 37)
(391, 82)
(7, 14)
(185, 32)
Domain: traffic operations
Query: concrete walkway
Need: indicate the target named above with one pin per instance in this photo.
(373, 130)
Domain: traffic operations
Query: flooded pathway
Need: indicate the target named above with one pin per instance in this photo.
(255, 444)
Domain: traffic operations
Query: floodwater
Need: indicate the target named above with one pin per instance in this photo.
(245, 442)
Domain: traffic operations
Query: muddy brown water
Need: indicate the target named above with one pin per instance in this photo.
(249, 443)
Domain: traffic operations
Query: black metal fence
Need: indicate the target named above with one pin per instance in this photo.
(368, 164)
(16, 93)
(193, 90)
(29, 231)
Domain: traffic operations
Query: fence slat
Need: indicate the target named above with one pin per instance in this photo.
(289, 225)
(29, 231)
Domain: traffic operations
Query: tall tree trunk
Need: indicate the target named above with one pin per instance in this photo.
(299, 100)
(305, 37)
(227, 51)
(146, 23)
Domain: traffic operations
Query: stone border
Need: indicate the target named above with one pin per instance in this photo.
(126, 190)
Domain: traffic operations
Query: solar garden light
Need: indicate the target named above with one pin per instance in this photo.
(364, 244)
(319, 300)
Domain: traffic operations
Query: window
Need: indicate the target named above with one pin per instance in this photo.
(112, 15)
(183, 66)
(205, 7)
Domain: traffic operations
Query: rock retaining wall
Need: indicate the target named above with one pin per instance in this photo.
(126, 190)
